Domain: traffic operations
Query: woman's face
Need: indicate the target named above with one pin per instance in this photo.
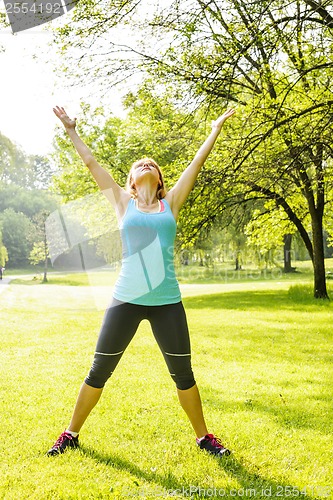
(143, 171)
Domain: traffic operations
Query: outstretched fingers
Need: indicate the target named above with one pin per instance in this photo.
(229, 112)
(221, 119)
(59, 111)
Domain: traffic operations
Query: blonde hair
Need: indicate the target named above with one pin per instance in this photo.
(130, 186)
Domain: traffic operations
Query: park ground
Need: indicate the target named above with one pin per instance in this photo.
(262, 356)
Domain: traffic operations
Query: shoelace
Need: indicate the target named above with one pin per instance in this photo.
(215, 441)
(62, 438)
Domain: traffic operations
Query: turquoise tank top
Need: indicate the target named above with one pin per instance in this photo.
(147, 276)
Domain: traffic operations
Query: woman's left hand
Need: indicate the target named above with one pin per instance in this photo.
(219, 122)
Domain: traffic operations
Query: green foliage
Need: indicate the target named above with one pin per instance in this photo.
(27, 201)
(28, 172)
(40, 250)
(37, 254)
(265, 59)
(3, 24)
(274, 60)
(16, 228)
(3, 256)
(329, 222)
(265, 233)
(23, 194)
(12, 163)
(3, 252)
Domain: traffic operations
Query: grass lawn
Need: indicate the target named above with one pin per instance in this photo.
(262, 356)
(217, 274)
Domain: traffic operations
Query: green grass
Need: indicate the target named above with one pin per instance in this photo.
(262, 356)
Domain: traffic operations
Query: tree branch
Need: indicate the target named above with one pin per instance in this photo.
(280, 201)
(324, 14)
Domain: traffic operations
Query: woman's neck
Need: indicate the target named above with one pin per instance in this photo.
(146, 196)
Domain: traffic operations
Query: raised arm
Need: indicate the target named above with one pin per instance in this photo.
(178, 194)
(117, 196)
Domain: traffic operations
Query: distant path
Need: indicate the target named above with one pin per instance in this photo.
(4, 283)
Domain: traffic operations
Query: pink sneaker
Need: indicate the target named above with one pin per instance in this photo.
(65, 440)
(213, 445)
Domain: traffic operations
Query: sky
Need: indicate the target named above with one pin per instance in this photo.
(30, 88)
(27, 93)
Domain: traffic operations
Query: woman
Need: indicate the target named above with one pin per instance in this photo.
(147, 287)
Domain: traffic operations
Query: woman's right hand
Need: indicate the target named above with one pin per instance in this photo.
(217, 124)
(64, 118)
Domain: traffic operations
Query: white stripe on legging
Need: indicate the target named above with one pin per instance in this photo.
(170, 354)
(107, 354)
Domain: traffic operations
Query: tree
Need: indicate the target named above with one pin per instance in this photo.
(329, 225)
(284, 150)
(20, 169)
(273, 58)
(27, 201)
(275, 62)
(15, 229)
(268, 231)
(40, 252)
(14, 164)
(42, 170)
(23, 193)
(3, 253)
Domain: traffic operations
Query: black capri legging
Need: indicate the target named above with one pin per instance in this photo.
(120, 323)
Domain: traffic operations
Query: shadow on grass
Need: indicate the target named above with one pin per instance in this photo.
(250, 484)
(257, 299)
(282, 412)
(291, 418)
(253, 484)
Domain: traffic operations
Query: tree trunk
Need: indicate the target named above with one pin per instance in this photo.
(81, 257)
(317, 212)
(238, 265)
(45, 272)
(46, 258)
(320, 290)
(287, 253)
